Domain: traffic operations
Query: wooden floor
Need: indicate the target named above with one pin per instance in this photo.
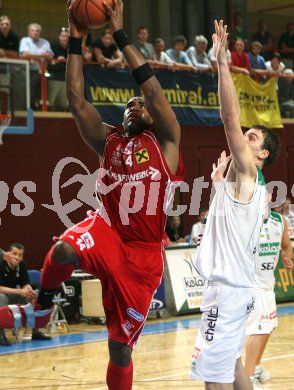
(161, 362)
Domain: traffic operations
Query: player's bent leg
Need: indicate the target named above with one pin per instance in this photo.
(120, 367)
(242, 380)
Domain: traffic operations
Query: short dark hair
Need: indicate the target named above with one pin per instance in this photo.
(271, 143)
(141, 27)
(179, 38)
(16, 245)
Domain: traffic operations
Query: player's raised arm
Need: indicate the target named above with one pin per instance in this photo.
(166, 125)
(89, 122)
(229, 105)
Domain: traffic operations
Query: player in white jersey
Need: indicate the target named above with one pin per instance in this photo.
(226, 253)
(263, 319)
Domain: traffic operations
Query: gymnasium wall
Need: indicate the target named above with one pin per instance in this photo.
(28, 163)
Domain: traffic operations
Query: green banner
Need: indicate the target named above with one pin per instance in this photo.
(284, 287)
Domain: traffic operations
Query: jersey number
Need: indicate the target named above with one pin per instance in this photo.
(129, 161)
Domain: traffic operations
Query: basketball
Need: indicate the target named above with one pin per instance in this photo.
(90, 13)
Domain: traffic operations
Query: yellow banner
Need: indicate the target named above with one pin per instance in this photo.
(258, 102)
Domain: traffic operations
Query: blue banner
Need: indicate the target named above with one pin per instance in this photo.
(192, 96)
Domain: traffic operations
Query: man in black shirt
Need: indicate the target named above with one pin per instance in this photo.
(9, 41)
(106, 52)
(56, 68)
(15, 286)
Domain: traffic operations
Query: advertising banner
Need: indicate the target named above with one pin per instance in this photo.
(183, 285)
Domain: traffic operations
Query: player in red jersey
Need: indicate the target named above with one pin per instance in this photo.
(122, 245)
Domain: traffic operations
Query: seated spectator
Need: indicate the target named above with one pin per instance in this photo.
(265, 38)
(9, 41)
(56, 83)
(240, 60)
(174, 230)
(33, 47)
(286, 94)
(257, 63)
(212, 58)
(15, 286)
(106, 52)
(178, 55)
(196, 228)
(286, 46)
(160, 55)
(198, 56)
(145, 48)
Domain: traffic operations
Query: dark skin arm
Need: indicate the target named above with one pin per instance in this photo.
(167, 127)
(89, 122)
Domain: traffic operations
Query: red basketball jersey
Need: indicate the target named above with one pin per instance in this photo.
(136, 186)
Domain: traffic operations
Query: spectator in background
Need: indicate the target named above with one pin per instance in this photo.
(286, 94)
(38, 49)
(145, 48)
(239, 29)
(9, 41)
(198, 56)
(275, 65)
(196, 228)
(257, 63)
(286, 45)
(56, 85)
(106, 52)
(265, 38)
(174, 230)
(212, 58)
(288, 211)
(240, 60)
(160, 55)
(178, 55)
(15, 286)
(87, 48)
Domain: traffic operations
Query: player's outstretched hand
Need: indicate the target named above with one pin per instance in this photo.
(288, 264)
(219, 169)
(116, 15)
(219, 40)
(75, 29)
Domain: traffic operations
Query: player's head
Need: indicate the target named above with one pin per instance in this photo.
(136, 117)
(264, 144)
(17, 251)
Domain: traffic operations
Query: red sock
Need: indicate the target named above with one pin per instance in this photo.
(53, 274)
(119, 378)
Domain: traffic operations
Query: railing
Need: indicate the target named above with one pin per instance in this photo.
(175, 67)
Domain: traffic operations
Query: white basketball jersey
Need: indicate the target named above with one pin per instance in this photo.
(231, 235)
(268, 252)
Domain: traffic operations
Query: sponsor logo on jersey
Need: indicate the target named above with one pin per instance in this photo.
(134, 314)
(70, 291)
(192, 282)
(196, 352)
(268, 266)
(127, 327)
(152, 172)
(142, 156)
(250, 306)
(269, 249)
(85, 241)
(211, 323)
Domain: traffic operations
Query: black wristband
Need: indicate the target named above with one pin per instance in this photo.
(74, 46)
(121, 39)
(143, 73)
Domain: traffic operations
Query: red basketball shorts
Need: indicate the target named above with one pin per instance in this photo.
(129, 274)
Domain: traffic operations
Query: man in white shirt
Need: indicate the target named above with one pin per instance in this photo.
(38, 50)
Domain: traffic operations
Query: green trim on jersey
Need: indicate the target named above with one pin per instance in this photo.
(276, 216)
(260, 176)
